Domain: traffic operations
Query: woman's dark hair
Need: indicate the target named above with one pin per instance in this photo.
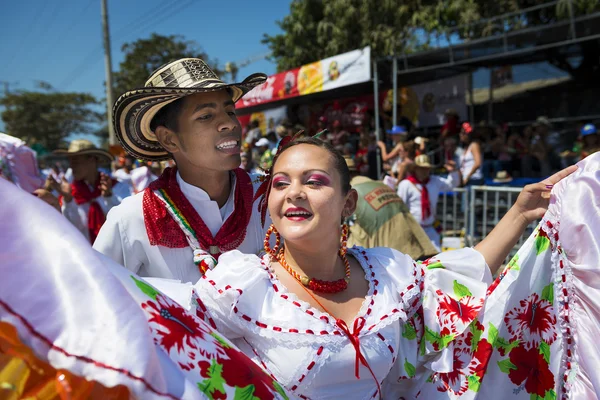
(168, 116)
(338, 159)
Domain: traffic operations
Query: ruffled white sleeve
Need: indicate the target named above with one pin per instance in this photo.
(442, 302)
(220, 289)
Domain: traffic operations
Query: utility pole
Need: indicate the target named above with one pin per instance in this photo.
(109, 79)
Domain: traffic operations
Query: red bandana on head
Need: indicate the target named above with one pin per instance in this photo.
(425, 204)
(162, 229)
(82, 193)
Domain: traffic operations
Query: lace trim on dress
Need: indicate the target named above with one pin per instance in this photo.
(564, 293)
(366, 307)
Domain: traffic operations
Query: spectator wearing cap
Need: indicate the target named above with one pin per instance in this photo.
(591, 140)
(420, 191)
(265, 153)
(398, 135)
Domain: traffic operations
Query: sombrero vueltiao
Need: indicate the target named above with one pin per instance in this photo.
(82, 147)
(134, 110)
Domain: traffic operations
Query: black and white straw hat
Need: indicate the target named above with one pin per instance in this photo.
(134, 110)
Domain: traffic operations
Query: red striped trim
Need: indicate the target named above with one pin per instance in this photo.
(88, 360)
(310, 366)
(260, 359)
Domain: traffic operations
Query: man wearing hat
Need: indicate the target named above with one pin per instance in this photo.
(180, 225)
(420, 191)
(383, 220)
(87, 200)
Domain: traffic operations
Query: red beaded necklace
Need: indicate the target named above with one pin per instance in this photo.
(318, 285)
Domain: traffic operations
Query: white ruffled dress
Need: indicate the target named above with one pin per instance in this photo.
(309, 354)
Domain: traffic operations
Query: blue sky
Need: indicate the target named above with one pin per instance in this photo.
(60, 41)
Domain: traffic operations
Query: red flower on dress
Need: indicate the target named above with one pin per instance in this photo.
(240, 371)
(532, 322)
(481, 358)
(172, 326)
(456, 381)
(464, 310)
(532, 370)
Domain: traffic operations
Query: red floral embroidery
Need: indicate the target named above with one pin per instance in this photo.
(532, 322)
(481, 358)
(455, 382)
(532, 370)
(464, 310)
(239, 371)
(173, 327)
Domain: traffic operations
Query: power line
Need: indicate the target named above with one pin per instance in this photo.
(95, 54)
(23, 37)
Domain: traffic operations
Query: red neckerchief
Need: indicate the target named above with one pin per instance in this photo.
(82, 193)
(162, 230)
(425, 204)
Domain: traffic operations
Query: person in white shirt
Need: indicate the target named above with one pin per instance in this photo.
(420, 191)
(89, 197)
(124, 176)
(179, 226)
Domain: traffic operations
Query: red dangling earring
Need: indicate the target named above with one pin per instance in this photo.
(273, 252)
(344, 245)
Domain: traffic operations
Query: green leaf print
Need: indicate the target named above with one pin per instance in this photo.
(219, 339)
(506, 365)
(431, 336)
(545, 351)
(541, 244)
(409, 332)
(446, 340)
(422, 347)
(476, 335)
(409, 368)
(215, 380)
(144, 287)
(435, 338)
(534, 396)
(492, 335)
(280, 390)
(435, 265)
(474, 383)
(514, 263)
(502, 343)
(548, 293)
(461, 290)
(246, 393)
(550, 395)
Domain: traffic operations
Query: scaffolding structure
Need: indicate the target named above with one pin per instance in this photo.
(509, 40)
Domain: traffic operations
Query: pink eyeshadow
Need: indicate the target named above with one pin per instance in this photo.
(278, 179)
(322, 178)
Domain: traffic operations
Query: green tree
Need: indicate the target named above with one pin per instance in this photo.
(316, 29)
(144, 56)
(48, 117)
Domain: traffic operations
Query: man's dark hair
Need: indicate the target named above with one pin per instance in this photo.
(168, 116)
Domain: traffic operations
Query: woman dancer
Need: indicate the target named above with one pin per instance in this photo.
(331, 322)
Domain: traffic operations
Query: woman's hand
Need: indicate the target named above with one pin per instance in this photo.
(533, 201)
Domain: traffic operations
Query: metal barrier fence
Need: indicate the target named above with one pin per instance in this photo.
(472, 212)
